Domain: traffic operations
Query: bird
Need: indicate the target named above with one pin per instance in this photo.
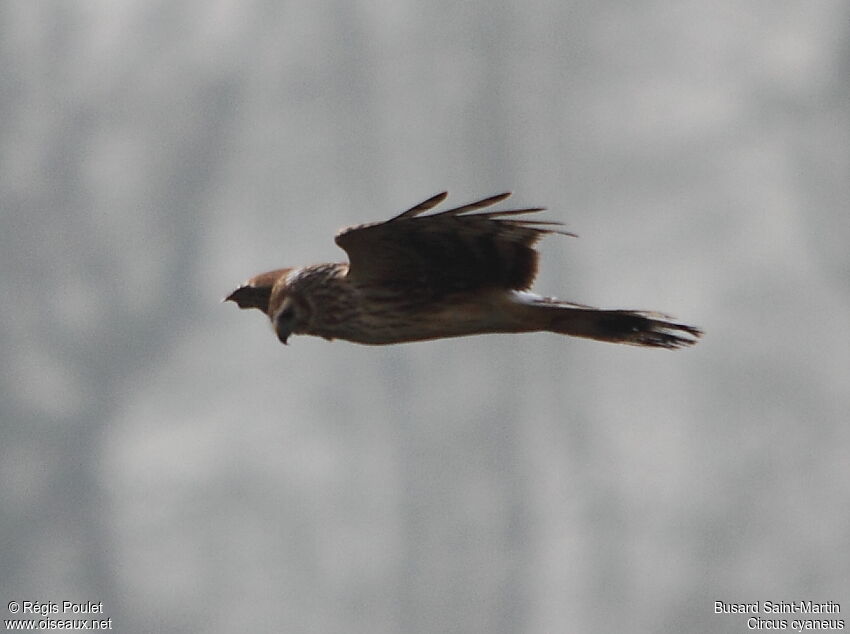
(452, 273)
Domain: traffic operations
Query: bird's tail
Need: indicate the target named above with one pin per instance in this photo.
(638, 328)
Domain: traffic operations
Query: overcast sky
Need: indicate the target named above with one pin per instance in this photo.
(162, 453)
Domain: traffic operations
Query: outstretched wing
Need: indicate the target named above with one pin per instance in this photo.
(448, 251)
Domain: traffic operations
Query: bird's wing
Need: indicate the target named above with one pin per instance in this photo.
(448, 251)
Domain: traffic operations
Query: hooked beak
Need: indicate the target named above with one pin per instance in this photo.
(283, 331)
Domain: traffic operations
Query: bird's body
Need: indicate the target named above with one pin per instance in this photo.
(369, 314)
(447, 274)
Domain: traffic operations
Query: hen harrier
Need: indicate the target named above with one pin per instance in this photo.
(446, 274)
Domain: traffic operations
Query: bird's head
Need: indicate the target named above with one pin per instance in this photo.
(288, 312)
(270, 293)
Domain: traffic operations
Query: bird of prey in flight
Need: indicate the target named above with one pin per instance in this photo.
(451, 273)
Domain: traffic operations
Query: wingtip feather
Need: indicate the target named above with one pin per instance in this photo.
(425, 205)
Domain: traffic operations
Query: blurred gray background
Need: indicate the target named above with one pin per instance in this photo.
(162, 453)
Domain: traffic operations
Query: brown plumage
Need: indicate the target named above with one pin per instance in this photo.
(446, 274)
